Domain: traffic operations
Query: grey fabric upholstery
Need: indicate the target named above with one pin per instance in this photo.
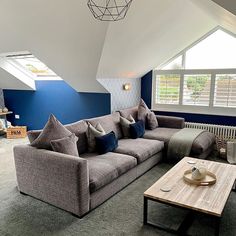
(143, 110)
(79, 128)
(151, 121)
(125, 123)
(92, 133)
(109, 123)
(51, 131)
(133, 111)
(33, 134)
(203, 142)
(112, 188)
(67, 145)
(59, 179)
(103, 169)
(140, 148)
(171, 122)
(160, 133)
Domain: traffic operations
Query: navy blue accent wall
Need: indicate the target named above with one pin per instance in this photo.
(146, 88)
(146, 94)
(55, 97)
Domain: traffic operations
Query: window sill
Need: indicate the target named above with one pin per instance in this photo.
(220, 111)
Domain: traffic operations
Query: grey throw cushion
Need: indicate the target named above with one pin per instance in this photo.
(51, 131)
(93, 132)
(152, 122)
(143, 110)
(125, 122)
(67, 145)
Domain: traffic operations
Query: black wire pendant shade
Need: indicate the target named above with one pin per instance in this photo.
(109, 10)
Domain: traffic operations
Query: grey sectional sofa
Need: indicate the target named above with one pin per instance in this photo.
(79, 184)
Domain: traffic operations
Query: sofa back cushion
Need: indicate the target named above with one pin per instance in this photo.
(133, 111)
(109, 123)
(79, 128)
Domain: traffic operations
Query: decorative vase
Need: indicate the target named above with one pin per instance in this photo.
(198, 172)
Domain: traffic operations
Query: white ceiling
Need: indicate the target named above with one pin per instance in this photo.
(60, 33)
(64, 35)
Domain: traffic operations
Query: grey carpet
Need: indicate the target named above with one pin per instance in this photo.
(120, 215)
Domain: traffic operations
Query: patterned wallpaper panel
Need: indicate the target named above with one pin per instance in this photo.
(1, 99)
(120, 98)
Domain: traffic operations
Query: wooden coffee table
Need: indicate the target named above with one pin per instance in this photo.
(208, 200)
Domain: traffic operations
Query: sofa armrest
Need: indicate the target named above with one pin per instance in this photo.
(171, 122)
(59, 179)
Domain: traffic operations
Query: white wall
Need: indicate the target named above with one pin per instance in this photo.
(120, 98)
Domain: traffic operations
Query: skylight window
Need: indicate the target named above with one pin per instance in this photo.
(28, 63)
(34, 65)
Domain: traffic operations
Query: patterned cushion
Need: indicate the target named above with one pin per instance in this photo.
(143, 110)
(93, 132)
(125, 122)
(51, 131)
(151, 121)
(67, 145)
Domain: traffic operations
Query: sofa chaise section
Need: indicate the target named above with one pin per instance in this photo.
(168, 125)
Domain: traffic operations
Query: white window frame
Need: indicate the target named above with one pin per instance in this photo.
(211, 109)
(195, 109)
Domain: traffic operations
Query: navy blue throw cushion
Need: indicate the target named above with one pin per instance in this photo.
(106, 143)
(137, 129)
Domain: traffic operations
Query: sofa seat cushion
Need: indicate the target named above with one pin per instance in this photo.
(139, 148)
(103, 169)
(161, 134)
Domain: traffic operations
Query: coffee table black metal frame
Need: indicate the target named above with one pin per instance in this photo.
(186, 223)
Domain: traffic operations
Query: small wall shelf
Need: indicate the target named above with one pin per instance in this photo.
(5, 113)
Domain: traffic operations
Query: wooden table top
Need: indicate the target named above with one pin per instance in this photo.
(208, 199)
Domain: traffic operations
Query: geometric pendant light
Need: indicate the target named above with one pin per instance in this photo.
(109, 10)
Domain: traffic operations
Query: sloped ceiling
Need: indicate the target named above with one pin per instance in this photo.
(8, 81)
(64, 35)
(61, 33)
(154, 31)
(229, 5)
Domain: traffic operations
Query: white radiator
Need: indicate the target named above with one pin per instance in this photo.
(221, 131)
